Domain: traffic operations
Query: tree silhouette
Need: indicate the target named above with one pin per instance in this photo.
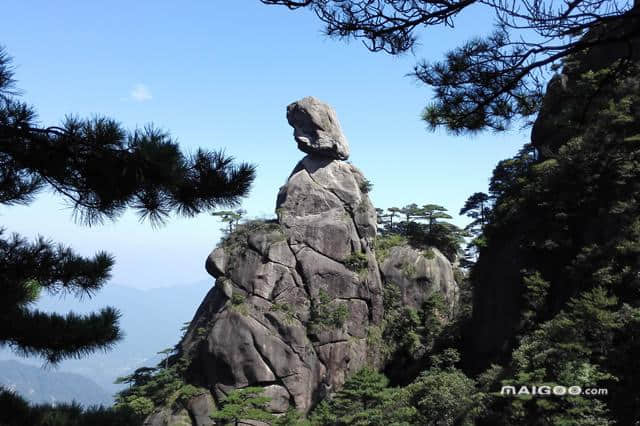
(478, 208)
(487, 81)
(230, 217)
(434, 233)
(101, 169)
(433, 212)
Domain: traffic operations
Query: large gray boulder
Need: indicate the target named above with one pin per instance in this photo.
(419, 274)
(316, 129)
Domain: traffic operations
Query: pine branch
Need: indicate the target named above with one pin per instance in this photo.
(54, 268)
(56, 337)
(103, 169)
(490, 81)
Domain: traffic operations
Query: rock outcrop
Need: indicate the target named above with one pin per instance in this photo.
(296, 298)
(316, 129)
(419, 274)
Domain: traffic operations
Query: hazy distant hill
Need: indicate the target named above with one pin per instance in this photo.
(39, 385)
(151, 320)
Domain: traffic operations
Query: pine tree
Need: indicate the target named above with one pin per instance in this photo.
(445, 236)
(231, 218)
(243, 404)
(101, 169)
(364, 399)
(477, 207)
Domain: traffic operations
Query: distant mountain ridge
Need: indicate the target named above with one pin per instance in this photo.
(151, 321)
(39, 385)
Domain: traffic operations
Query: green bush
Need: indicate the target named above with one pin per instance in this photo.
(237, 240)
(366, 186)
(155, 387)
(237, 299)
(325, 314)
(357, 262)
(15, 411)
(243, 404)
(429, 253)
(385, 243)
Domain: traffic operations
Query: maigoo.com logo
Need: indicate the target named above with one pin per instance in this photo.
(556, 390)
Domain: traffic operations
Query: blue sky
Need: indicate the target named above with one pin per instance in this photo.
(219, 74)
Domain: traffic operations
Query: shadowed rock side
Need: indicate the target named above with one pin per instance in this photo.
(566, 111)
(295, 297)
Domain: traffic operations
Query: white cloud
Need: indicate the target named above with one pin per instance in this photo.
(140, 93)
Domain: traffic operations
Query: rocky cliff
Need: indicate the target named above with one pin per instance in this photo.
(296, 298)
(570, 202)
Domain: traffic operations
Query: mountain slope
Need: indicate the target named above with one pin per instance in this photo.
(39, 385)
(151, 320)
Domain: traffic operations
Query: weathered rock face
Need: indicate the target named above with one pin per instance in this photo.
(294, 298)
(419, 274)
(317, 129)
(196, 413)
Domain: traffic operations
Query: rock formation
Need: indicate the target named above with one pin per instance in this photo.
(419, 274)
(316, 129)
(295, 298)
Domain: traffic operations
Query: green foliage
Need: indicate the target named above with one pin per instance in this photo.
(422, 227)
(535, 295)
(15, 411)
(428, 253)
(286, 309)
(363, 400)
(237, 240)
(477, 207)
(27, 269)
(366, 186)
(440, 396)
(238, 303)
(237, 299)
(155, 387)
(409, 334)
(566, 228)
(444, 395)
(327, 313)
(231, 218)
(140, 405)
(357, 262)
(566, 350)
(243, 404)
(409, 270)
(291, 418)
(385, 242)
(186, 392)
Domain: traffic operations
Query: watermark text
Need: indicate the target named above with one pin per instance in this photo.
(557, 390)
